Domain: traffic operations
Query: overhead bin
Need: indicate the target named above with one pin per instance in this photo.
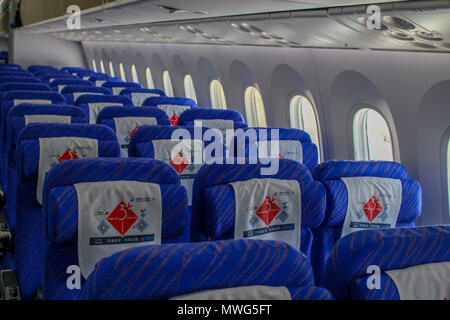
(38, 11)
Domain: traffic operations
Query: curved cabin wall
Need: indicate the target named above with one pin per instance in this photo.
(400, 85)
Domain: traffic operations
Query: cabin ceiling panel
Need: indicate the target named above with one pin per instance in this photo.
(411, 26)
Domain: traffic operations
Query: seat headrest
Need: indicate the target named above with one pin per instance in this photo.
(110, 113)
(28, 141)
(117, 87)
(156, 101)
(141, 142)
(187, 117)
(194, 267)
(330, 174)
(336, 169)
(72, 89)
(62, 216)
(16, 117)
(94, 98)
(219, 212)
(53, 97)
(389, 249)
(20, 86)
(4, 79)
(139, 95)
(309, 153)
(60, 84)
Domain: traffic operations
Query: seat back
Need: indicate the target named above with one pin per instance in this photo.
(99, 79)
(19, 117)
(15, 86)
(15, 98)
(363, 195)
(126, 121)
(15, 79)
(162, 143)
(59, 84)
(49, 77)
(149, 190)
(93, 104)
(139, 95)
(11, 66)
(241, 201)
(117, 87)
(41, 147)
(18, 73)
(18, 86)
(37, 68)
(73, 69)
(72, 93)
(282, 273)
(84, 74)
(291, 143)
(174, 107)
(391, 264)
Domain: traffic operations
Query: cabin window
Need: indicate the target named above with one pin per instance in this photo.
(122, 72)
(149, 77)
(371, 136)
(134, 74)
(303, 116)
(254, 108)
(167, 82)
(102, 67)
(218, 100)
(189, 88)
(94, 65)
(111, 69)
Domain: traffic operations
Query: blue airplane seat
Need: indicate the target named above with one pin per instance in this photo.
(174, 107)
(162, 143)
(150, 192)
(244, 201)
(92, 104)
(72, 93)
(391, 264)
(117, 87)
(293, 144)
(15, 98)
(40, 148)
(216, 270)
(59, 84)
(139, 95)
(362, 195)
(16, 79)
(126, 121)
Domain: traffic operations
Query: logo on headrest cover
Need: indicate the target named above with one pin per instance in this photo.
(268, 210)
(372, 208)
(122, 217)
(70, 154)
(179, 163)
(174, 119)
(130, 134)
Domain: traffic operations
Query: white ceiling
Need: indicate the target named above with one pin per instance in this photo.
(330, 28)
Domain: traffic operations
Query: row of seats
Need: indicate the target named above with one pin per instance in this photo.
(54, 208)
